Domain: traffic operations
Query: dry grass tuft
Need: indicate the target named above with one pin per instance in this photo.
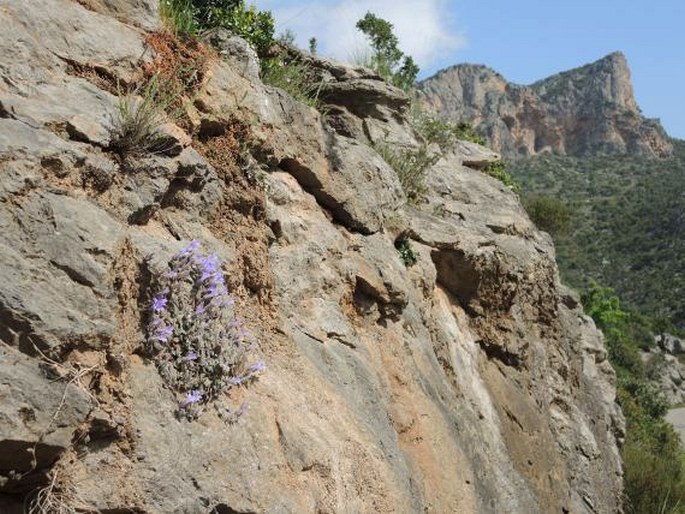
(58, 497)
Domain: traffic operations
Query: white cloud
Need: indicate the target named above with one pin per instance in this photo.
(425, 29)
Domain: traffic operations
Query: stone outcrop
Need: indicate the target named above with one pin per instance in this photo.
(468, 382)
(665, 368)
(589, 110)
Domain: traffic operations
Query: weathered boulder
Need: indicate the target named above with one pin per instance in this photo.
(358, 186)
(57, 256)
(671, 344)
(360, 90)
(667, 373)
(474, 155)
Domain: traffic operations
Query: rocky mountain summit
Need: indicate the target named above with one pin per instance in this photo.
(469, 381)
(589, 110)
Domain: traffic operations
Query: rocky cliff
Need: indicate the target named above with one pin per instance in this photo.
(589, 110)
(468, 382)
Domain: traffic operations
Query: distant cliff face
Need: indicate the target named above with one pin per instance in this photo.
(585, 111)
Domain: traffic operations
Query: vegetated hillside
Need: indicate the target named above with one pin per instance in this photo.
(588, 110)
(628, 224)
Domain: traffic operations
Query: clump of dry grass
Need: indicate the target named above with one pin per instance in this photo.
(140, 114)
(57, 497)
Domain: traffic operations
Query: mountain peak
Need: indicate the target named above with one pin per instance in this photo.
(587, 110)
(617, 57)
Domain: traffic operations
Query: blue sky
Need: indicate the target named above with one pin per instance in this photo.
(524, 40)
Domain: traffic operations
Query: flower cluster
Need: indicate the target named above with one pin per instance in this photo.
(199, 345)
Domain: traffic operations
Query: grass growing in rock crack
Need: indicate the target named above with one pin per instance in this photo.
(295, 78)
(140, 114)
(57, 497)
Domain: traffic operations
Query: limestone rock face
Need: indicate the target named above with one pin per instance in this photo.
(585, 111)
(468, 382)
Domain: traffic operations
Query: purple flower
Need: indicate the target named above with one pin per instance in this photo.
(192, 355)
(159, 303)
(236, 380)
(192, 246)
(162, 332)
(210, 266)
(215, 290)
(200, 310)
(192, 397)
(257, 367)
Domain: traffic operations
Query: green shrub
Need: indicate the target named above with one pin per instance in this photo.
(387, 59)
(444, 133)
(408, 255)
(653, 480)
(179, 16)
(549, 214)
(411, 166)
(498, 170)
(192, 16)
(256, 27)
(652, 453)
(296, 78)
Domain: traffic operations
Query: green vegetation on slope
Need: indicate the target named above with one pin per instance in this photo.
(387, 59)
(652, 454)
(628, 224)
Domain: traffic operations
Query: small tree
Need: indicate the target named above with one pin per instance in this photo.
(387, 59)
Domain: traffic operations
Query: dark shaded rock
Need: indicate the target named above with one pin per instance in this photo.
(38, 418)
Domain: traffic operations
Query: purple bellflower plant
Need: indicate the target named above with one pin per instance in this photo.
(199, 345)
